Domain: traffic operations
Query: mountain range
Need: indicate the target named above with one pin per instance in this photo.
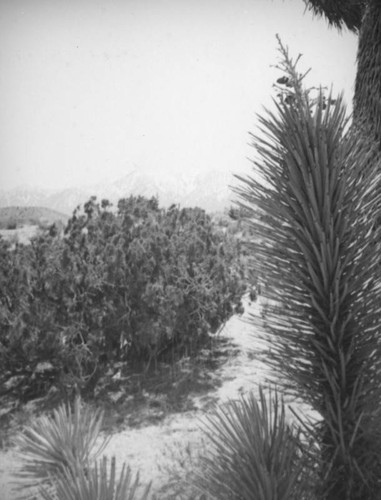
(210, 190)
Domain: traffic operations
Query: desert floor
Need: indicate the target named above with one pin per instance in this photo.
(166, 453)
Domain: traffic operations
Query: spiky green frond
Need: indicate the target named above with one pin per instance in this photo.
(254, 452)
(99, 481)
(339, 13)
(63, 441)
(313, 215)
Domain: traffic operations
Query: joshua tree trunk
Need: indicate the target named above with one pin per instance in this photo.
(367, 98)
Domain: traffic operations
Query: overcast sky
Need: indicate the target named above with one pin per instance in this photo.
(91, 89)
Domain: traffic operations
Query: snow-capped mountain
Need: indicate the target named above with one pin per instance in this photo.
(209, 190)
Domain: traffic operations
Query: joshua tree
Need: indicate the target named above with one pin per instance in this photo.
(340, 13)
(313, 207)
(362, 17)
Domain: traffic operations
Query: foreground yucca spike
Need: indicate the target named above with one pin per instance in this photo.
(97, 481)
(255, 452)
(64, 441)
(313, 201)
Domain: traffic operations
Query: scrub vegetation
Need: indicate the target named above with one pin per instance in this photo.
(120, 291)
(140, 284)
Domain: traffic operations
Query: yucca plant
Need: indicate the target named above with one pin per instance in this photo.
(62, 443)
(313, 203)
(256, 454)
(97, 481)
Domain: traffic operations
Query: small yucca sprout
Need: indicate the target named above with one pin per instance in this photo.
(63, 442)
(97, 482)
(255, 453)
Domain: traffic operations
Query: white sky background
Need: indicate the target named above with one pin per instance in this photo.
(91, 89)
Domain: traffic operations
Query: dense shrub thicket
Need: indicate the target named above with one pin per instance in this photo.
(131, 284)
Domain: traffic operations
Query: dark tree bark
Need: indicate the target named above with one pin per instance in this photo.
(367, 97)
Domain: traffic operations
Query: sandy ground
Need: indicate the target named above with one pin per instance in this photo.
(164, 452)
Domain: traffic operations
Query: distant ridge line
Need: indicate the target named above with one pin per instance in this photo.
(20, 215)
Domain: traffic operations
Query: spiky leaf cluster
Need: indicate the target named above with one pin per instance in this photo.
(339, 13)
(61, 442)
(254, 452)
(59, 458)
(313, 203)
(98, 482)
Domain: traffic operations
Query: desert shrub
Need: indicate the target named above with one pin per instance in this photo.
(37, 347)
(11, 224)
(130, 284)
(165, 277)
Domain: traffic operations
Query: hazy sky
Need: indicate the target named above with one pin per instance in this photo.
(91, 89)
